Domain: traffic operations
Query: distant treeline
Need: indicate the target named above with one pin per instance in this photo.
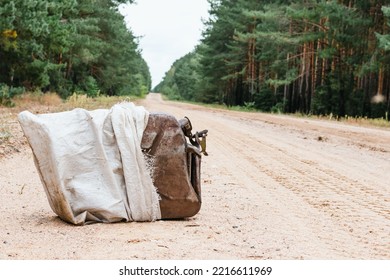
(309, 56)
(69, 46)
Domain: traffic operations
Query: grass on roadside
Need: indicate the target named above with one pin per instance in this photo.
(51, 102)
(100, 102)
(7, 142)
(11, 136)
(249, 107)
(357, 120)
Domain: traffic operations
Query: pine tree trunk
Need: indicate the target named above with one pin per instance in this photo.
(381, 78)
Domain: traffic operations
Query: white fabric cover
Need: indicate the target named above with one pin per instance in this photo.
(91, 164)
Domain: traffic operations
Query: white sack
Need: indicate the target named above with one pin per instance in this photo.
(91, 164)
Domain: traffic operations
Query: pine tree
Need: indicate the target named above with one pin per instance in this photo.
(312, 56)
(70, 46)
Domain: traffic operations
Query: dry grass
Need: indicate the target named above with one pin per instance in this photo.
(360, 121)
(51, 102)
(37, 99)
(100, 102)
(11, 135)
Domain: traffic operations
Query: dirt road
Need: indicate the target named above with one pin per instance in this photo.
(273, 187)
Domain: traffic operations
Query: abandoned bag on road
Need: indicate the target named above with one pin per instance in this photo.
(114, 165)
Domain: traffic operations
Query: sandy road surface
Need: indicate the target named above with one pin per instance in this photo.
(273, 187)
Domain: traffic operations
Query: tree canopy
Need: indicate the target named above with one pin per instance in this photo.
(309, 56)
(70, 46)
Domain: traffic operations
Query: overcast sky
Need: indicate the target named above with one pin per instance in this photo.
(169, 29)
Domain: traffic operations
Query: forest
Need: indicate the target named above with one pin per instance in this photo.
(69, 46)
(308, 56)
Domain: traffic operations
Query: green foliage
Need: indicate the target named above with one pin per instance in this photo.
(90, 86)
(312, 56)
(384, 39)
(7, 93)
(5, 97)
(70, 46)
(182, 79)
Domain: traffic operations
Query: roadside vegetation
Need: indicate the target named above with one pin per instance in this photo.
(68, 47)
(11, 136)
(316, 57)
